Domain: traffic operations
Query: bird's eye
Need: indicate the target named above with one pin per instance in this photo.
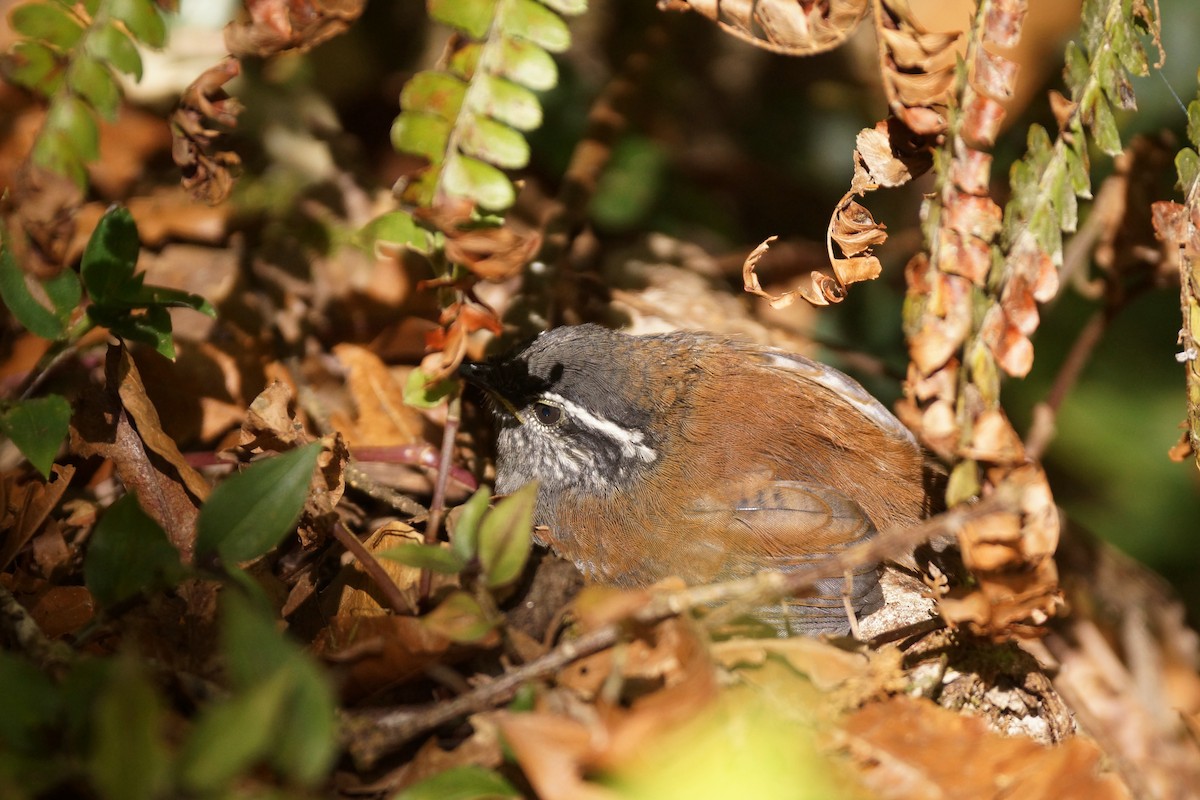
(547, 414)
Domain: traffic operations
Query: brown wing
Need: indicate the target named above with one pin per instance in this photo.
(790, 525)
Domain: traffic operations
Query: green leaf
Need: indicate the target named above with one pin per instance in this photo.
(142, 19)
(110, 44)
(1193, 123)
(47, 22)
(1187, 166)
(459, 618)
(426, 556)
(110, 257)
(139, 296)
(64, 292)
(421, 134)
(472, 17)
(34, 66)
(568, 8)
(631, 184)
(1127, 47)
(129, 759)
(432, 92)
(252, 643)
(250, 513)
(505, 536)
(535, 23)
(506, 102)
(460, 783)
(527, 64)
(37, 427)
(93, 81)
(128, 553)
(152, 328)
(419, 392)
(232, 735)
(483, 183)
(963, 483)
(395, 228)
(1104, 128)
(1077, 70)
(20, 300)
(496, 143)
(465, 538)
(30, 701)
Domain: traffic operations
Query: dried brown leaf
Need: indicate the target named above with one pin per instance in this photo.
(908, 748)
(791, 27)
(26, 505)
(277, 26)
(204, 113)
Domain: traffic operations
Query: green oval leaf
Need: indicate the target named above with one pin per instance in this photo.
(483, 183)
(464, 538)
(506, 535)
(128, 553)
(142, 19)
(93, 81)
(306, 747)
(421, 134)
(569, 8)
(494, 142)
(460, 783)
(71, 118)
(32, 65)
(527, 64)
(250, 513)
(472, 17)
(37, 427)
(110, 44)
(426, 556)
(534, 22)
(47, 22)
(431, 92)
(129, 758)
(507, 102)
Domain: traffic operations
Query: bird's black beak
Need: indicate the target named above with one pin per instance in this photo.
(484, 374)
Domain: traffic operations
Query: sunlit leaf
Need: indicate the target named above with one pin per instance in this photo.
(437, 93)
(483, 183)
(24, 306)
(505, 536)
(128, 553)
(71, 118)
(536, 23)
(37, 427)
(32, 65)
(250, 513)
(420, 392)
(472, 17)
(507, 102)
(496, 143)
(421, 134)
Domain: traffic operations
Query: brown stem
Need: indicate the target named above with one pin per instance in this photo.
(437, 508)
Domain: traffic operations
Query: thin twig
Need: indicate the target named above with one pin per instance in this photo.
(372, 734)
(391, 592)
(437, 508)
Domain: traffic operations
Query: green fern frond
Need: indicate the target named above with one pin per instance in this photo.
(1051, 175)
(469, 119)
(69, 53)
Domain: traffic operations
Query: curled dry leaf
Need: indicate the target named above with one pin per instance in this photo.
(917, 67)
(26, 505)
(491, 252)
(790, 27)
(204, 114)
(277, 26)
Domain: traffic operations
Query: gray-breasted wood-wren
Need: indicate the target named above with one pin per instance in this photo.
(692, 455)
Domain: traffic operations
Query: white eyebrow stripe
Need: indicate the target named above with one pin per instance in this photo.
(632, 442)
